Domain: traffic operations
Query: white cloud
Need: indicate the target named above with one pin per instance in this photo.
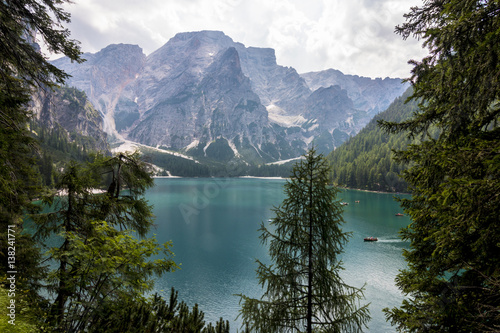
(355, 36)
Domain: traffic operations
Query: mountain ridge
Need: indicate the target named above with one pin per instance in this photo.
(261, 111)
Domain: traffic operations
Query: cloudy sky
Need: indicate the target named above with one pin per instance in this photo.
(354, 36)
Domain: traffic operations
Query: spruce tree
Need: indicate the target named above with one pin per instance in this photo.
(453, 273)
(22, 22)
(303, 288)
(22, 69)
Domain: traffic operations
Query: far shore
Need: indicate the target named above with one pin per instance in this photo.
(371, 191)
(251, 177)
(283, 178)
(255, 177)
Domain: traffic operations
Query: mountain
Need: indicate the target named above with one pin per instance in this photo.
(365, 160)
(67, 127)
(104, 77)
(68, 112)
(214, 124)
(206, 96)
(369, 95)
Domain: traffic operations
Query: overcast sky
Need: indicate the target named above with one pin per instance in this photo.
(353, 36)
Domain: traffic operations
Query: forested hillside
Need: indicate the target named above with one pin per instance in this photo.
(365, 160)
(171, 165)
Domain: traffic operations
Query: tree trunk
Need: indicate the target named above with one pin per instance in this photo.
(57, 311)
(310, 257)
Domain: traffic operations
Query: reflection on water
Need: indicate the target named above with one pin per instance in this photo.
(213, 224)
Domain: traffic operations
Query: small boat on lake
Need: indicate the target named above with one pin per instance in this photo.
(399, 214)
(371, 239)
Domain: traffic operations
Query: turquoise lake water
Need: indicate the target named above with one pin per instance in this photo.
(213, 226)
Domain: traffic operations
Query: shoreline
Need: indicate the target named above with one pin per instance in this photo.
(242, 177)
(257, 177)
(283, 178)
(371, 191)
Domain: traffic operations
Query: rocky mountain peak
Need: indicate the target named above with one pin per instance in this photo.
(262, 57)
(193, 48)
(368, 94)
(202, 87)
(116, 65)
(209, 36)
(225, 72)
(327, 104)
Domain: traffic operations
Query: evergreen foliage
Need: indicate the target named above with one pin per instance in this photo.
(453, 264)
(220, 150)
(57, 148)
(23, 68)
(103, 265)
(177, 166)
(125, 178)
(19, 181)
(365, 160)
(270, 170)
(303, 289)
(19, 22)
(203, 167)
(25, 320)
(55, 133)
(98, 261)
(155, 316)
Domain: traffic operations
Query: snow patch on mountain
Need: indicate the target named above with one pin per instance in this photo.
(286, 161)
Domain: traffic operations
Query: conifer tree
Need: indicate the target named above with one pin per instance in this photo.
(453, 269)
(97, 259)
(22, 22)
(155, 315)
(303, 288)
(22, 69)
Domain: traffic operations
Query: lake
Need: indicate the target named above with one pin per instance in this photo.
(213, 224)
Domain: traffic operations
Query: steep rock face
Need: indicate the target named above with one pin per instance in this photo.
(329, 106)
(208, 114)
(69, 108)
(238, 111)
(198, 79)
(275, 85)
(178, 66)
(332, 108)
(206, 95)
(104, 77)
(219, 104)
(369, 95)
(332, 117)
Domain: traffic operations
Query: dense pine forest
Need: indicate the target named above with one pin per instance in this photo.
(172, 165)
(365, 160)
